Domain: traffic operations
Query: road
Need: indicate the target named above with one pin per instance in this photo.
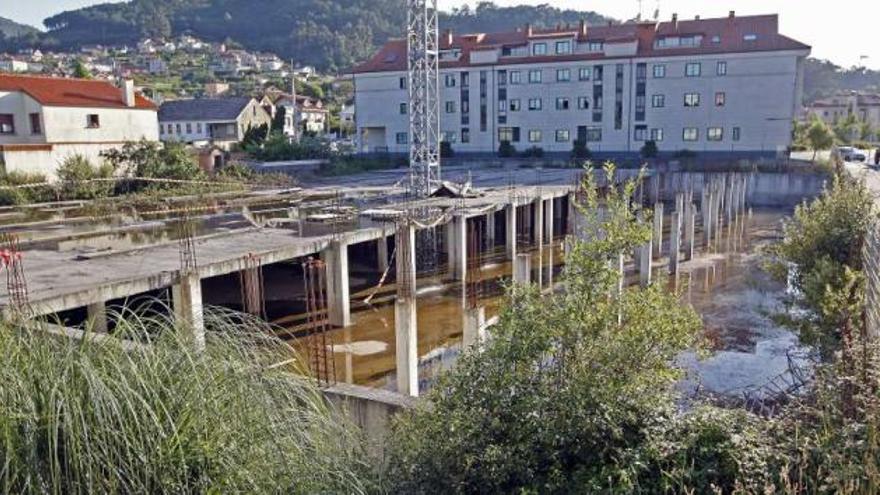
(869, 174)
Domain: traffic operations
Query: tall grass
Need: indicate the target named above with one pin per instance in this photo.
(81, 416)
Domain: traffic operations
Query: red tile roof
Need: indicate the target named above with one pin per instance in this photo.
(730, 32)
(60, 92)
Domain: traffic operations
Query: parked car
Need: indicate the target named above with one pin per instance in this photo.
(850, 154)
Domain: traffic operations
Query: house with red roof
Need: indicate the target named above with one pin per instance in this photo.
(45, 120)
(723, 85)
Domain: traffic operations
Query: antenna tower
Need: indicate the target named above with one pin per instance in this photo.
(422, 41)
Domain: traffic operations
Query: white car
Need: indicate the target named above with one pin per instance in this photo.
(850, 154)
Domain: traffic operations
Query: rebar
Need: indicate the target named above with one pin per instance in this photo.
(319, 346)
(16, 280)
(252, 286)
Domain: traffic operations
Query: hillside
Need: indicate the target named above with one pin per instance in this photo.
(11, 29)
(823, 78)
(330, 34)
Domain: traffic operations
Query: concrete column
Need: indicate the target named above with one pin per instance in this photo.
(186, 296)
(457, 235)
(551, 221)
(490, 229)
(674, 243)
(657, 236)
(382, 250)
(538, 229)
(510, 231)
(97, 317)
(690, 228)
(405, 320)
(335, 256)
(522, 269)
(643, 257)
(474, 327)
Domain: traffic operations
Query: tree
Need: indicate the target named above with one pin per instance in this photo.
(579, 150)
(278, 120)
(153, 160)
(819, 137)
(649, 150)
(559, 399)
(80, 70)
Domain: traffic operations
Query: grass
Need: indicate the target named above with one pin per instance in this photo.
(89, 417)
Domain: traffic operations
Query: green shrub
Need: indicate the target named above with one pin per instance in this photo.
(446, 150)
(25, 195)
(90, 417)
(506, 150)
(685, 154)
(145, 159)
(278, 147)
(650, 150)
(580, 151)
(77, 177)
(533, 152)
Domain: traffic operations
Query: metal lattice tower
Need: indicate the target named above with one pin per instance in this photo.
(424, 94)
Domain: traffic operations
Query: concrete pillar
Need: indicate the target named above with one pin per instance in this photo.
(643, 257)
(490, 230)
(474, 326)
(457, 235)
(510, 231)
(382, 253)
(97, 317)
(522, 269)
(335, 256)
(538, 215)
(186, 296)
(657, 236)
(405, 320)
(551, 220)
(674, 243)
(690, 228)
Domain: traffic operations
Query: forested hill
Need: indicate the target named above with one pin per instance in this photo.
(11, 28)
(330, 34)
(823, 78)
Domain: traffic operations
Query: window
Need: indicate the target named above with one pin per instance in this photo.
(189, 128)
(36, 124)
(658, 101)
(93, 121)
(584, 73)
(535, 104)
(594, 46)
(465, 103)
(535, 76)
(449, 80)
(515, 77)
(562, 135)
(502, 119)
(465, 79)
(450, 107)
(465, 135)
(721, 68)
(502, 77)
(715, 134)
(403, 109)
(563, 75)
(7, 123)
(563, 47)
(508, 134)
(199, 127)
(515, 105)
(402, 138)
(583, 103)
(178, 129)
(736, 133)
(539, 49)
(750, 37)
(641, 132)
(591, 133)
(659, 71)
(716, 39)
(720, 99)
(690, 134)
(535, 136)
(562, 103)
(693, 70)
(692, 99)
(449, 137)
(656, 134)
(502, 106)
(402, 83)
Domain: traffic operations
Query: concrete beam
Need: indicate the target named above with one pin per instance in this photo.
(335, 256)
(186, 296)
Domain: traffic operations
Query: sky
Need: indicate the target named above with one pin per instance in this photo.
(842, 31)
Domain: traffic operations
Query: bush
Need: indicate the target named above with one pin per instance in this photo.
(278, 147)
(91, 417)
(77, 177)
(147, 159)
(533, 152)
(685, 154)
(650, 150)
(14, 195)
(580, 151)
(446, 150)
(506, 150)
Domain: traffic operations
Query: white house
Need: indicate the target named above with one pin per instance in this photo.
(220, 122)
(728, 85)
(45, 120)
(11, 64)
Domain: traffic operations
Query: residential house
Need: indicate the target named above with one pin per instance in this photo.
(12, 64)
(863, 105)
(270, 62)
(311, 115)
(729, 85)
(215, 89)
(45, 120)
(157, 65)
(221, 122)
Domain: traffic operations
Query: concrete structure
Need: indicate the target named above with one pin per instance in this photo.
(727, 85)
(45, 120)
(220, 122)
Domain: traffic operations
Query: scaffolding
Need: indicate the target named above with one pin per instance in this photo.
(424, 93)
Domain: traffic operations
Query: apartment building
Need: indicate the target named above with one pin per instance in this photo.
(45, 120)
(728, 85)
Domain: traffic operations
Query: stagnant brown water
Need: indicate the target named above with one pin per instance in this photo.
(725, 283)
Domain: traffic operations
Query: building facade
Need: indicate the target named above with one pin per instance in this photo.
(220, 122)
(713, 85)
(45, 120)
(863, 106)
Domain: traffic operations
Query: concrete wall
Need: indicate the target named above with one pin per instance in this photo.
(370, 409)
(117, 125)
(761, 95)
(764, 189)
